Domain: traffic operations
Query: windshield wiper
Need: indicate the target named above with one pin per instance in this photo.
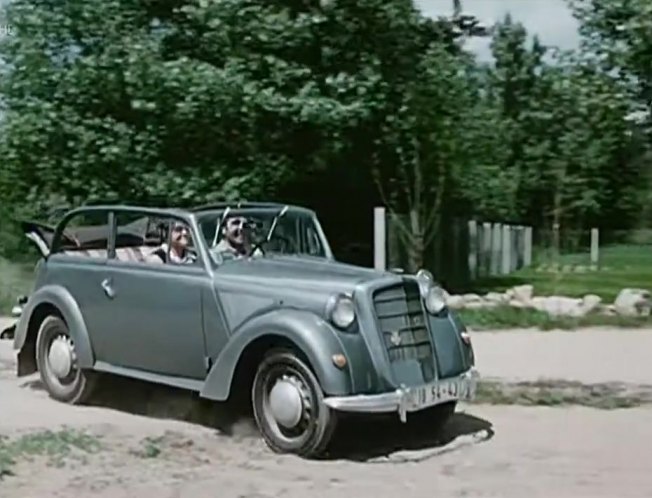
(272, 227)
(278, 216)
(218, 230)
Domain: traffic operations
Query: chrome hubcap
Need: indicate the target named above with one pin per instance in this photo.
(61, 356)
(287, 402)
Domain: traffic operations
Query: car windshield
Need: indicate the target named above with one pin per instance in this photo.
(294, 232)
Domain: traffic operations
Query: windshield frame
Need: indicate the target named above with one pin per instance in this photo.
(201, 217)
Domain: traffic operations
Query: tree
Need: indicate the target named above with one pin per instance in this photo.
(426, 140)
(179, 101)
(617, 34)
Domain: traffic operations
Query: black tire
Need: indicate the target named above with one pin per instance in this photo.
(315, 431)
(75, 387)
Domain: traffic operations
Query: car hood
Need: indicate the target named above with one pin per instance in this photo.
(297, 272)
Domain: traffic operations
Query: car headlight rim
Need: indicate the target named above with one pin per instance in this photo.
(425, 281)
(340, 311)
(435, 300)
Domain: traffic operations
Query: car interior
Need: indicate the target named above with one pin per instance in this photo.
(134, 241)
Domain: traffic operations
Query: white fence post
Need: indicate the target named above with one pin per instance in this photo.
(495, 248)
(516, 247)
(380, 238)
(473, 249)
(595, 247)
(506, 249)
(486, 248)
(527, 256)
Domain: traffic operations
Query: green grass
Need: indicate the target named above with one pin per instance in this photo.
(620, 266)
(55, 446)
(506, 317)
(15, 279)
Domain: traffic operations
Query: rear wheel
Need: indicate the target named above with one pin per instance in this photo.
(288, 406)
(57, 363)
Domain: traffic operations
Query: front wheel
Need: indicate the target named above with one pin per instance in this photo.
(57, 363)
(288, 406)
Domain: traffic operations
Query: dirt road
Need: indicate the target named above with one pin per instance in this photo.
(487, 451)
(591, 355)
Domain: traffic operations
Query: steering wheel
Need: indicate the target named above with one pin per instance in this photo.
(287, 243)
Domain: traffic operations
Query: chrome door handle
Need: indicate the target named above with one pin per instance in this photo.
(108, 290)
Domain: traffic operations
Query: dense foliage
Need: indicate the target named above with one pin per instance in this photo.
(339, 105)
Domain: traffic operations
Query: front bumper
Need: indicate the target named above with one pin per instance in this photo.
(410, 399)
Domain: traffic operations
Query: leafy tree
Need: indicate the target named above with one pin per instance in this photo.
(617, 34)
(181, 101)
(427, 147)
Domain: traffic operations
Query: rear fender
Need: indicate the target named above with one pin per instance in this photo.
(59, 298)
(310, 334)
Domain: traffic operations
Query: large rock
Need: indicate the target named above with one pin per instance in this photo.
(496, 298)
(455, 302)
(523, 293)
(591, 303)
(563, 306)
(471, 298)
(633, 302)
(539, 303)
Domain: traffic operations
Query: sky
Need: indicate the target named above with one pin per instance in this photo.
(550, 19)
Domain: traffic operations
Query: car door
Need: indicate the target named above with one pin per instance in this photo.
(153, 318)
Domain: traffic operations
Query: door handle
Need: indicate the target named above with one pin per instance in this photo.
(108, 289)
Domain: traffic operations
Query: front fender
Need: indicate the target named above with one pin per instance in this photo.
(62, 300)
(311, 334)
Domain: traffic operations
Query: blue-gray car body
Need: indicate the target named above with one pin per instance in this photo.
(197, 327)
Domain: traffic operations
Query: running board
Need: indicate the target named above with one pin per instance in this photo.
(180, 382)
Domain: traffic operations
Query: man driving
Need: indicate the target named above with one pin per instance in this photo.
(236, 237)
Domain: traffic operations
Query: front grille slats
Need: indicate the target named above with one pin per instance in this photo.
(402, 326)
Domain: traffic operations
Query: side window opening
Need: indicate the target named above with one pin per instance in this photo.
(313, 242)
(86, 235)
(147, 239)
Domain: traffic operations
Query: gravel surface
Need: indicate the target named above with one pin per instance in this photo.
(591, 355)
(486, 451)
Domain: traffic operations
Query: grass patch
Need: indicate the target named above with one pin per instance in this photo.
(506, 317)
(562, 393)
(621, 266)
(57, 447)
(15, 279)
(150, 447)
(153, 447)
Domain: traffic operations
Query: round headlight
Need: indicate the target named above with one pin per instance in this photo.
(425, 280)
(435, 299)
(341, 310)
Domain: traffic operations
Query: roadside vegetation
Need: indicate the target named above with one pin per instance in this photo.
(15, 279)
(621, 266)
(506, 317)
(559, 393)
(56, 447)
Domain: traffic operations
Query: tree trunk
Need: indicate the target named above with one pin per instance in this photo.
(416, 249)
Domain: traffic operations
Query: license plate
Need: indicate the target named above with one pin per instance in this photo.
(441, 392)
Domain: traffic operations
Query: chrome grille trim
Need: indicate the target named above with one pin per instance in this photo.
(402, 322)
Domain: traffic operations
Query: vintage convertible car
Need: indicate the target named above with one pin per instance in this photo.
(305, 338)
